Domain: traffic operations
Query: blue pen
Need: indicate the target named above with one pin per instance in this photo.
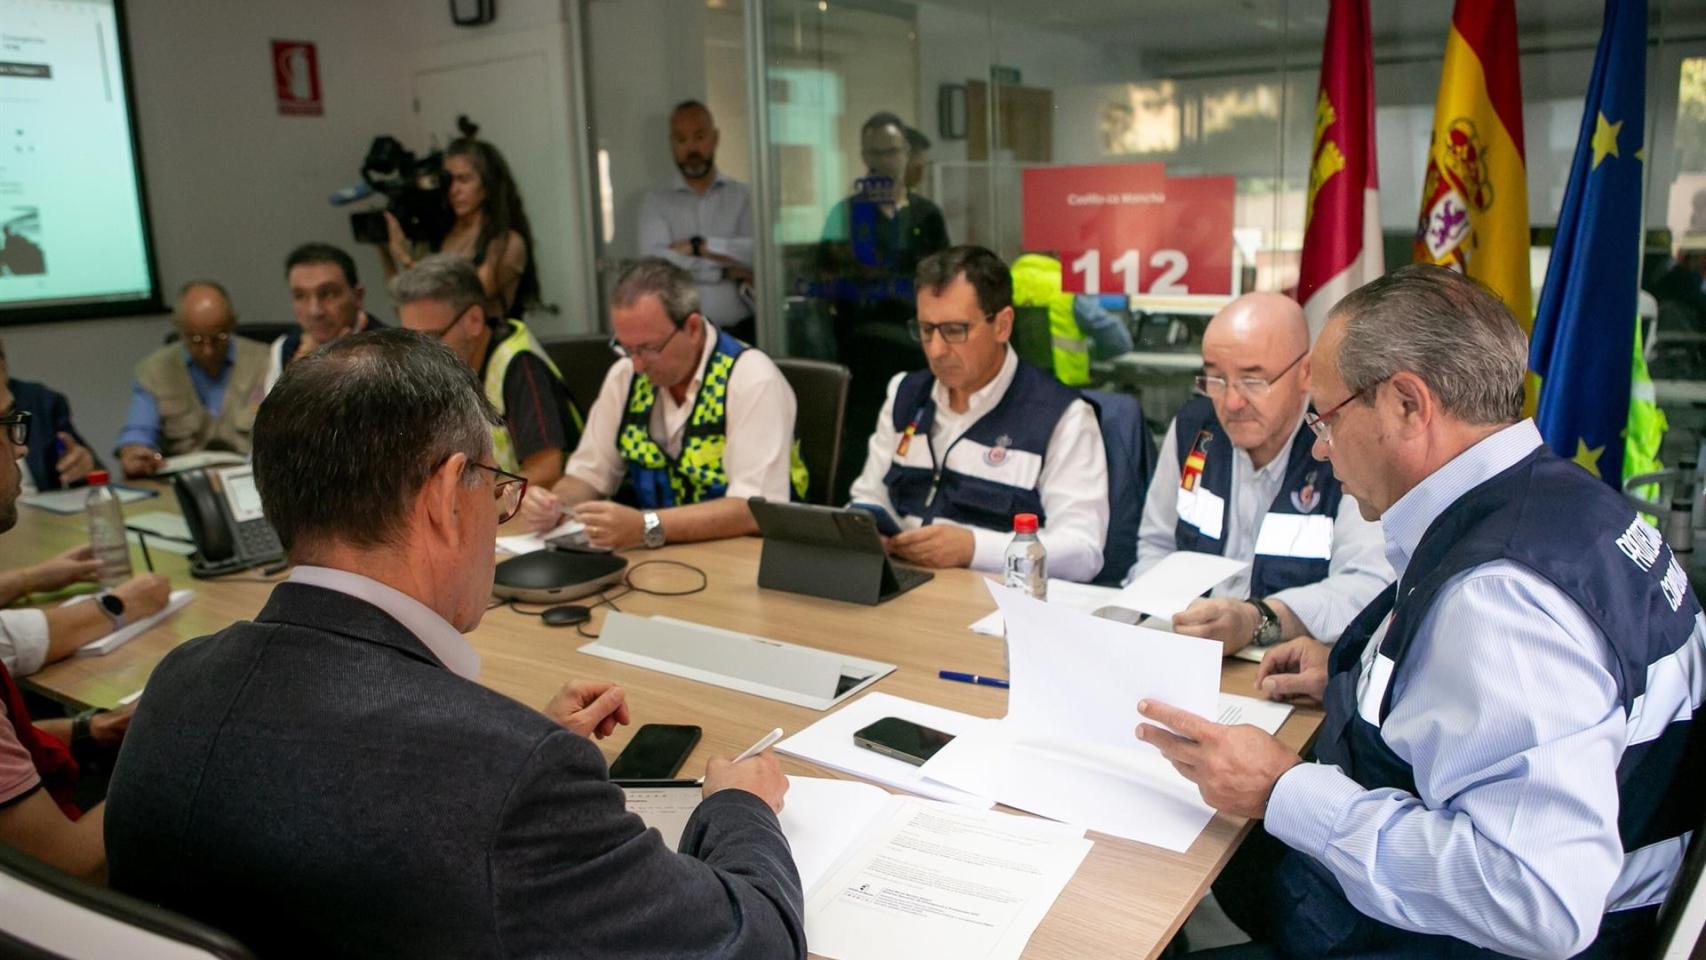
(972, 678)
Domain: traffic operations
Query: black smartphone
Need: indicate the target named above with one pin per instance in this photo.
(902, 739)
(656, 752)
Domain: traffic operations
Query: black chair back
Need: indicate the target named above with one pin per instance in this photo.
(53, 916)
(1682, 918)
(820, 395)
(583, 360)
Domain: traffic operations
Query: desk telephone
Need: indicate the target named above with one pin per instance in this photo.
(222, 508)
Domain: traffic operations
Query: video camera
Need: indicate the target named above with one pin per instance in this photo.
(415, 191)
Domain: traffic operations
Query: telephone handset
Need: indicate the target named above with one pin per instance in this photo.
(222, 508)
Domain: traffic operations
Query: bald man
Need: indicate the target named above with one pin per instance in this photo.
(200, 393)
(1236, 478)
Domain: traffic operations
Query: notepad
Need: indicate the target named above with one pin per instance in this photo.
(130, 631)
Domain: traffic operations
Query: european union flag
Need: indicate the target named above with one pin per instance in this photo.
(1584, 328)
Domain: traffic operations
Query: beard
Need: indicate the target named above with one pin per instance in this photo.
(697, 165)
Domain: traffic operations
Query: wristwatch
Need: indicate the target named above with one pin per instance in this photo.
(1268, 631)
(653, 536)
(698, 244)
(112, 605)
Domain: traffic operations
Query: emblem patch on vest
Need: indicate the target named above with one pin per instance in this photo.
(1191, 473)
(1306, 499)
(997, 454)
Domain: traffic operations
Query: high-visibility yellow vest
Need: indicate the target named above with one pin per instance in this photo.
(1037, 283)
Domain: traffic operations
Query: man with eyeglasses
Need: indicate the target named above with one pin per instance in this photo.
(1510, 762)
(691, 420)
(962, 447)
(332, 779)
(200, 393)
(1235, 478)
(442, 297)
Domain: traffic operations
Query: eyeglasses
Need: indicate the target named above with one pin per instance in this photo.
(953, 331)
(1322, 423)
(1253, 388)
(645, 353)
(17, 426)
(507, 489)
(204, 339)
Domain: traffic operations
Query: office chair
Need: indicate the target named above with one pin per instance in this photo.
(1683, 916)
(820, 392)
(48, 915)
(583, 360)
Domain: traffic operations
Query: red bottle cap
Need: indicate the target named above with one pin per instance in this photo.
(1025, 523)
(97, 478)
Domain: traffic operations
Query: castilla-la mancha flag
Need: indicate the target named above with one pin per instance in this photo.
(1341, 234)
(1475, 192)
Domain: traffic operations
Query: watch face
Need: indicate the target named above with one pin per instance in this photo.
(112, 604)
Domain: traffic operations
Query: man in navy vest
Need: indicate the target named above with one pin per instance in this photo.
(1508, 765)
(962, 447)
(1235, 478)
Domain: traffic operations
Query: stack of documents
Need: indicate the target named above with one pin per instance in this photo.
(123, 635)
(528, 542)
(1067, 748)
(1162, 591)
(893, 878)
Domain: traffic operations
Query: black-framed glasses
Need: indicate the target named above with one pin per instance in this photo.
(507, 489)
(204, 339)
(629, 353)
(1322, 423)
(951, 331)
(17, 424)
(1254, 388)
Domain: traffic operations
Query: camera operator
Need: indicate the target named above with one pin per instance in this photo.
(490, 228)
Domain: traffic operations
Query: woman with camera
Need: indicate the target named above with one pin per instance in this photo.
(490, 226)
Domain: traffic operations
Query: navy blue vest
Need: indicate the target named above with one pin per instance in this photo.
(984, 477)
(1309, 489)
(1550, 516)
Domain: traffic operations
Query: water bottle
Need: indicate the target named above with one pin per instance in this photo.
(1027, 561)
(106, 531)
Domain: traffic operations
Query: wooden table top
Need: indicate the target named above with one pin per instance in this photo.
(1127, 898)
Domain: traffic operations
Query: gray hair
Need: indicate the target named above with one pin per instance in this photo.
(1445, 328)
(354, 430)
(443, 277)
(672, 286)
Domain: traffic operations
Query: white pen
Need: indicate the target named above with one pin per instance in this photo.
(759, 747)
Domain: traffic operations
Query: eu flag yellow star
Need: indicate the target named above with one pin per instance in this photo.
(1605, 139)
(1588, 457)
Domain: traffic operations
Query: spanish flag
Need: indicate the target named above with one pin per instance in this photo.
(1341, 237)
(1474, 215)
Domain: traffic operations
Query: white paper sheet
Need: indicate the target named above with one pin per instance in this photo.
(1078, 596)
(167, 532)
(942, 882)
(129, 632)
(824, 821)
(1171, 585)
(74, 500)
(528, 542)
(192, 461)
(1267, 715)
(829, 743)
(666, 808)
(1078, 678)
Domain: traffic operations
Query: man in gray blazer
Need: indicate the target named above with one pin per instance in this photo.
(329, 780)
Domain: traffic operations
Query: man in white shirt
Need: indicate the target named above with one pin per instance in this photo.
(702, 222)
(961, 448)
(693, 419)
(1235, 478)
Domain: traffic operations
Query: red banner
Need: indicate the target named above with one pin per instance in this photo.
(1128, 228)
(296, 78)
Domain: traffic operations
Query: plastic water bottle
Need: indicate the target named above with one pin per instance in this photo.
(106, 531)
(1027, 561)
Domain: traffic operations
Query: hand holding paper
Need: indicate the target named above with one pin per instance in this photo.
(1171, 585)
(1235, 767)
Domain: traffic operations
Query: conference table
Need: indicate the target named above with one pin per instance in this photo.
(1126, 900)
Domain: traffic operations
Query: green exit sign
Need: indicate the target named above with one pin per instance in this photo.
(1005, 76)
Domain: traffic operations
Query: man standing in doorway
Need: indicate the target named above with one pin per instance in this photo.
(702, 222)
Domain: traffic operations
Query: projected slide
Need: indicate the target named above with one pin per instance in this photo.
(73, 236)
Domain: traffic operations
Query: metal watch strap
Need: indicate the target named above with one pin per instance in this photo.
(652, 536)
(1267, 632)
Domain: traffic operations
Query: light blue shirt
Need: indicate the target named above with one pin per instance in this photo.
(1510, 716)
(722, 216)
(142, 422)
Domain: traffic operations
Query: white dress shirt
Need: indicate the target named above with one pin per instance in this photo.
(722, 216)
(1073, 481)
(1356, 570)
(433, 631)
(23, 641)
(760, 426)
(1509, 713)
